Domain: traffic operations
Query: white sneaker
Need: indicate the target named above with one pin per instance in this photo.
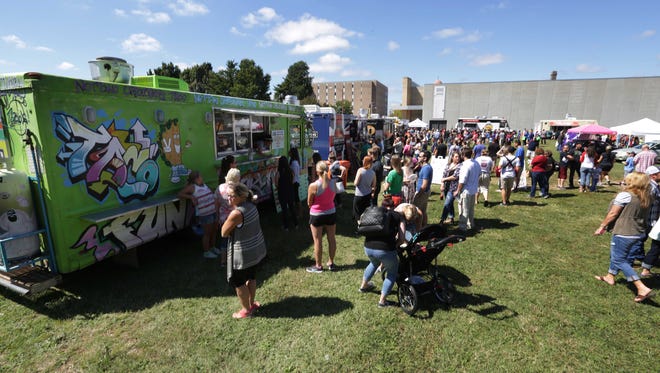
(216, 251)
(210, 255)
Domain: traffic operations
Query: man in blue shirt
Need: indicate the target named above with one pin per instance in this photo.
(520, 154)
(478, 149)
(423, 190)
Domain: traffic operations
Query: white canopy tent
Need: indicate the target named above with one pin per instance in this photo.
(418, 123)
(640, 127)
(646, 127)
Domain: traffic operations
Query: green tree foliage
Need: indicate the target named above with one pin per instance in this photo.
(309, 100)
(343, 106)
(297, 82)
(226, 78)
(245, 80)
(250, 82)
(199, 78)
(169, 69)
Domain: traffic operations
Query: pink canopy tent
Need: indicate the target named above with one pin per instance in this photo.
(592, 129)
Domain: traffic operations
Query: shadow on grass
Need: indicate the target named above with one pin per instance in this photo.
(456, 277)
(483, 305)
(562, 195)
(169, 269)
(528, 202)
(299, 307)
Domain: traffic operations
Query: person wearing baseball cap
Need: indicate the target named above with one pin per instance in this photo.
(654, 213)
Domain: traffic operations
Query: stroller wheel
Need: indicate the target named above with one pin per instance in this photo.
(444, 290)
(408, 298)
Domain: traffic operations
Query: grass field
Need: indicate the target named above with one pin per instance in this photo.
(527, 302)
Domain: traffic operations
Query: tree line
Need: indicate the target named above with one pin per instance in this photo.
(247, 80)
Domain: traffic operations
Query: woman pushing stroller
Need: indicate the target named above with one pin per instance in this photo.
(382, 248)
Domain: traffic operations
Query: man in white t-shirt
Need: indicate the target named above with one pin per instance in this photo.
(466, 191)
(485, 162)
(509, 168)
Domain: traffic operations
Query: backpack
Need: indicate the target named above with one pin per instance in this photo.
(374, 221)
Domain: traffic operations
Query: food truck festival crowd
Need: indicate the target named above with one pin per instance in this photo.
(397, 172)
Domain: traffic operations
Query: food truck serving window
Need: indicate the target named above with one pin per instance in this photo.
(237, 131)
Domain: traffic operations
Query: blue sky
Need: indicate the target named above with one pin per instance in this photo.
(454, 41)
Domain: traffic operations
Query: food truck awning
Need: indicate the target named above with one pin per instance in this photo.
(260, 113)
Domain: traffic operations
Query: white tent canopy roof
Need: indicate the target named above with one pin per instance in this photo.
(640, 127)
(418, 123)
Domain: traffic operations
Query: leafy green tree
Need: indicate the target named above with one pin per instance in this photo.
(250, 82)
(309, 100)
(297, 82)
(169, 69)
(226, 78)
(199, 77)
(343, 106)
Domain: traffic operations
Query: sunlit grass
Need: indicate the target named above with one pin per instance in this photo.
(527, 302)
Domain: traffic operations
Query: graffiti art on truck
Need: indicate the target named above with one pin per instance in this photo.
(170, 141)
(16, 112)
(132, 230)
(108, 158)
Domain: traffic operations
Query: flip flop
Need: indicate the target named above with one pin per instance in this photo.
(242, 314)
(641, 298)
(255, 306)
(604, 279)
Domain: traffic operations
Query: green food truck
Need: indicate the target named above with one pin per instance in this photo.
(90, 169)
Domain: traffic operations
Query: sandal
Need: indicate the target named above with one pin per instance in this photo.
(604, 279)
(242, 314)
(370, 286)
(255, 306)
(641, 298)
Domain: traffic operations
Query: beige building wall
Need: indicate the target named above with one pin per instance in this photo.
(370, 95)
(412, 99)
(611, 101)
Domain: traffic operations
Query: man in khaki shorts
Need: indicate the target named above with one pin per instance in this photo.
(486, 164)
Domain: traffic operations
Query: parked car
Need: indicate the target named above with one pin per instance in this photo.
(621, 154)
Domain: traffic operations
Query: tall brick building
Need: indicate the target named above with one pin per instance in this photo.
(370, 95)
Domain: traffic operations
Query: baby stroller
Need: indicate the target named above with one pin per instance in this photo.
(418, 270)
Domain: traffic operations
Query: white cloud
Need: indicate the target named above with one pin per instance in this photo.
(321, 44)
(120, 13)
(392, 46)
(235, 31)
(151, 17)
(66, 66)
(647, 33)
(329, 63)
(447, 33)
(306, 29)
(500, 5)
(188, 8)
(586, 68)
(445, 51)
(182, 65)
(357, 73)
(472, 37)
(15, 40)
(4, 63)
(43, 49)
(140, 43)
(487, 59)
(263, 16)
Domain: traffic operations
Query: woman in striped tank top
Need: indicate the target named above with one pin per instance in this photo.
(206, 205)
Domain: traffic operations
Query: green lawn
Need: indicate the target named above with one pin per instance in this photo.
(527, 302)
